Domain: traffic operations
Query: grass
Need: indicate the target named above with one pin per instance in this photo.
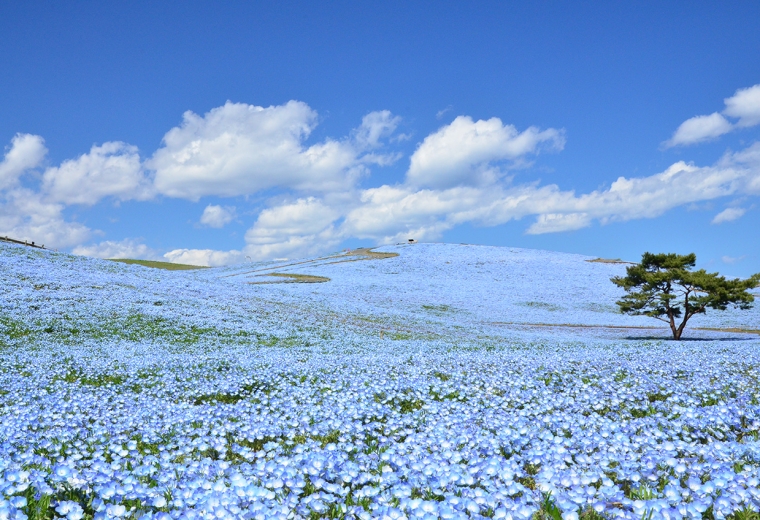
(294, 278)
(132, 327)
(542, 305)
(372, 254)
(609, 261)
(613, 327)
(169, 266)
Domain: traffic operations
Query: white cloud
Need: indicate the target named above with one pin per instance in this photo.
(217, 216)
(699, 129)
(127, 248)
(300, 228)
(375, 126)
(455, 176)
(390, 212)
(204, 257)
(732, 259)
(25, 215)
(112, 169)
(26, 152)
(558, 222)
(463, 151)
(444, 111)
(239, 149)
(728, 214)
(745, 105)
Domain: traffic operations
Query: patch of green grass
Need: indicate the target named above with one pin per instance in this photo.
(639, 413)
(601, 307)
(218, 397)
(294, 278)
(97, 380)
(438, 397)
(438, 309)
(653, 397)
(548, 509)
(746, 513)
(246, 391)
(14, 329)
(169, 266)
(608, 261)
(542, 305)
(135, 327)
(642, 492)
(441, 376)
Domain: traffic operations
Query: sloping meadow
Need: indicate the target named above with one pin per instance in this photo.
(446, 382)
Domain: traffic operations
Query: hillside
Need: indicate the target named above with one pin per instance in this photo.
(413, 381)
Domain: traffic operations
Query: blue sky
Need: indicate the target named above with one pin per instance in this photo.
(202, 133)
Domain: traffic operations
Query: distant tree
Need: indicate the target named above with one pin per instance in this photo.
(664, 287)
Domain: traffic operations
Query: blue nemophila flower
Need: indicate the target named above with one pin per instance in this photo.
(70, 510)
(269, 401)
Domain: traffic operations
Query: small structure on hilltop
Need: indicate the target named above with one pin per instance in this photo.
(412, 241)
(22, 242)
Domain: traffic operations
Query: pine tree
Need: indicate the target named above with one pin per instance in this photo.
(664, 287)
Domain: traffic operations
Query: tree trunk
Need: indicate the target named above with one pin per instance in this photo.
(676, 331)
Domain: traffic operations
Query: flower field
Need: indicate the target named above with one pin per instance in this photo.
(447, 381)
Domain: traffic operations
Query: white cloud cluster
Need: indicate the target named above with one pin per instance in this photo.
(299, 228)
(239, 149)
(236, 149)
(204, 257)
(389, 213)
(127, 248)
(27, 214)
(216, 216)
(728, 215)
(457, 174)
(26, 152)
(463, 152)
(110, 170)
(744, 106)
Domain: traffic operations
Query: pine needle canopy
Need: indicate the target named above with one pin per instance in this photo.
(664, 287)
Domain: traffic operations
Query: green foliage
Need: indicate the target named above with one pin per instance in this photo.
(664, 287)
(169, 266)
(548, 509)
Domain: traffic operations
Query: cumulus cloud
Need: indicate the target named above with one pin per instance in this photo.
(204, 257)
(25, 215)
(457, 174)
(298, 228)
(390, 212)
(236, 149)
(217, 216)
(127, 248)
(375, 126)
(744, 105)
(26, 152)
(463, 152)
(240, 149)
(728, 214)
(558, 222)
(111, 169)
(699, 129)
